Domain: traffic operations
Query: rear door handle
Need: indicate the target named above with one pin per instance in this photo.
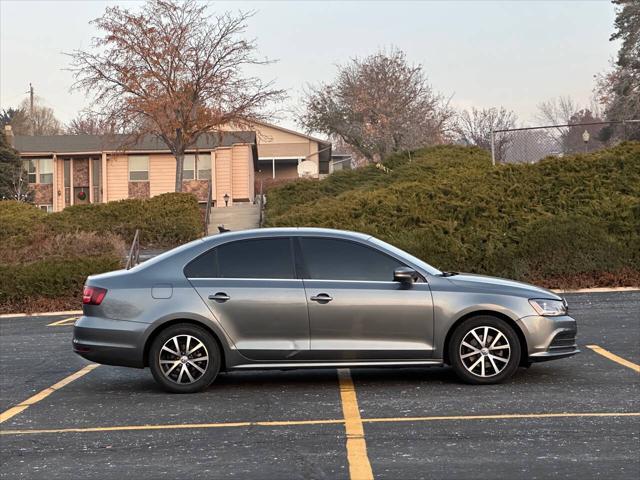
(219, 297)
(322, 298)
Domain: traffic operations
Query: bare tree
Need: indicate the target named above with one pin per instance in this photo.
(474, 127)
(562, 111)
(42, 122)
(88, 124)
(173, 71)
(378, 105)
(556, 111)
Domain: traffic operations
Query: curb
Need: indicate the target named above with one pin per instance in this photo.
(598, 290)
(43, 314)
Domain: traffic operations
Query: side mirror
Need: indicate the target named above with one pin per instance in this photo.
(405, 275)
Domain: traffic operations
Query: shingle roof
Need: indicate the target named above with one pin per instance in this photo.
(100, 143)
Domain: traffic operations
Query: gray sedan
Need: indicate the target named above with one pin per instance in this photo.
(301, 298)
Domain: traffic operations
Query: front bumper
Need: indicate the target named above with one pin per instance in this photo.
(549, 338)
(110, 342)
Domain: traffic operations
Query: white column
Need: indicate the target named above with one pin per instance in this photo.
(90, 180)
(103, 177)
(54, 185)
(71, 195)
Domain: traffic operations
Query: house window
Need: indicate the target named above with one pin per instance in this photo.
(204, 167)
(30, 168)
(45, 169)
(46, 208)
(138, 168)
(189, 167)
(199, 167)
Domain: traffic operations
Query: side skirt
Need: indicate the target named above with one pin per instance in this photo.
(380, 363)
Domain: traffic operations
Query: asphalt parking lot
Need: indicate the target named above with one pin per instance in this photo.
(572, 418)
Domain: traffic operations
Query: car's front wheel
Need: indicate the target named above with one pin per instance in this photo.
(184, 358)
(484, 350)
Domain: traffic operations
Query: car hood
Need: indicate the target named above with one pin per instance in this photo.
(500, 285)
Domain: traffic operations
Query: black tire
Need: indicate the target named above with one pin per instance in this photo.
(200, 380)
(488, 361)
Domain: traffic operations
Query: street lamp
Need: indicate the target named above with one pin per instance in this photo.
(585, 139)
(226, 199)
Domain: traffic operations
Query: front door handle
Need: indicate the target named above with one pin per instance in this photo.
(322, 298)
(219, 297)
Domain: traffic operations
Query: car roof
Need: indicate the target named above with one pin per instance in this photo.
(284, 231)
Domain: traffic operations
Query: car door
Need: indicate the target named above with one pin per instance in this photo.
(356, 310)
(250, 286)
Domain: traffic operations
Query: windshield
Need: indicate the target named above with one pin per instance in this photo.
(401, 253)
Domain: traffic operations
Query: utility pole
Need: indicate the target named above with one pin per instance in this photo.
(31, 109)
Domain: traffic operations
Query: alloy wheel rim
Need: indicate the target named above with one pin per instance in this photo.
(485, 351)
(184, 359)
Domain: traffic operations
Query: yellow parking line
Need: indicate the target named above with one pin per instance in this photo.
(513, 416)
(615, 358)
(64, 321)
(359, 466)
(13, 411)
(182, 426)
(284, 423)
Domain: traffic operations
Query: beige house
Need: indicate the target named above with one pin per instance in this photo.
(281, 151)
(67, 170)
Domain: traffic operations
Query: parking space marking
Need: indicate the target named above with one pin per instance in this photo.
(13, 411)
(510, 416)
(179, 426)
(63, 322)
(359, 465)
(285, 423)
(615, 358)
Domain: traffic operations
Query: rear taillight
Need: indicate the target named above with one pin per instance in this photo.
(93, 295)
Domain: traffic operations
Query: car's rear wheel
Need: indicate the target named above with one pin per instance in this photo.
(184, 358)
(484, 350)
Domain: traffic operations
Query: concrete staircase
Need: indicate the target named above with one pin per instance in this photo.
(240, 216)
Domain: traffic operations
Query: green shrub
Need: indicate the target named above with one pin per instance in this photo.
(18, 219)
(164, 220)
(52, 278)
(48, 256)
(449, 206)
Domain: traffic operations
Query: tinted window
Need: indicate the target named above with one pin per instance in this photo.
(204, 266)
(329, 259)
(260, 258)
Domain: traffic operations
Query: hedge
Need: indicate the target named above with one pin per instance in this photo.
(51, 278)
(47, 257)
(165, 220)
(551, 222)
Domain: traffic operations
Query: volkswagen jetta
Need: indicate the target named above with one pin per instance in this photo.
(300, 298)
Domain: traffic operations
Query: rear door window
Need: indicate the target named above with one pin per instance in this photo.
(256, 258)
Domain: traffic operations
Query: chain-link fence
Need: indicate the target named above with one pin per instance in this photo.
(528, 145)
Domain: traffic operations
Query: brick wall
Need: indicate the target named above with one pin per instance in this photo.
(138, 189)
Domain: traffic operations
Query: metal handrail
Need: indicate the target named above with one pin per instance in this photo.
(261, 203)
(207, 214)
(134, 251)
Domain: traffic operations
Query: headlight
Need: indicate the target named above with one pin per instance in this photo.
(549, 308)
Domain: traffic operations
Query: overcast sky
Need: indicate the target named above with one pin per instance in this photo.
(482, 53)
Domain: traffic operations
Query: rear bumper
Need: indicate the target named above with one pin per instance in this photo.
(110, 342)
